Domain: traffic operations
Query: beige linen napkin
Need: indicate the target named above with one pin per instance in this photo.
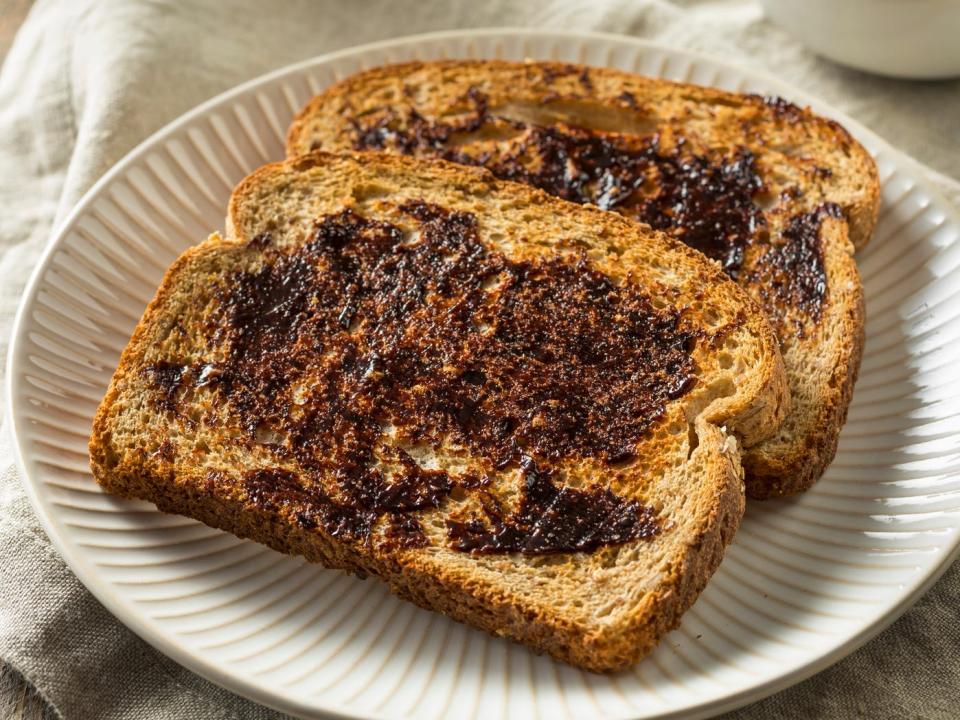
(86, 81)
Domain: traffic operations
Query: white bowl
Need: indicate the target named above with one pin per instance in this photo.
(901, 38)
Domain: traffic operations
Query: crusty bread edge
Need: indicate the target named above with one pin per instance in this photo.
(861, 217)
(134, 349)
(783, 475)
(603, 650)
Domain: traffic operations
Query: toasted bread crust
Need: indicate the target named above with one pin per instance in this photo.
(456, 594)
(822, 366)
(781, 467)
(606, 87)
(455, 585)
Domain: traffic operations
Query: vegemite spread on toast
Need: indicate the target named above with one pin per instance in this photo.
(711, 201)
(792, 274)
(360, 353)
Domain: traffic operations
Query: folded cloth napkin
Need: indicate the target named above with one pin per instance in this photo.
(86, 81)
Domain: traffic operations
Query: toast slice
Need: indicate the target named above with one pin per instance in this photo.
(777, 195)
(517, 411)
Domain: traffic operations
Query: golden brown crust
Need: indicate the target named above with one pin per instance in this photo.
(145, 333)
(453, 593)
(605, 88)
(776, 469)
(466, 588)
(822, 366)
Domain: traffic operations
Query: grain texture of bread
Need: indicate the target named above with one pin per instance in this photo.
(778, 195)
(178, 428)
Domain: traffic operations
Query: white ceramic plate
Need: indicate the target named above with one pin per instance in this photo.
(806, 581)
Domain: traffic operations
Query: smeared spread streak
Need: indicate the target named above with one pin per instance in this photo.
(549, 517)
(792, 274)
(422, 330)
(167, 378)
(706, 203)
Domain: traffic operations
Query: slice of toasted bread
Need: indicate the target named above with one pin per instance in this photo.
(517, 411)
(779, 196)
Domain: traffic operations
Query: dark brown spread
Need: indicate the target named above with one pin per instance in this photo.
(791, 274)
(706, 202)
(709, 205)
(782, 108)
(551, 518)
(373, 338)
(167, 378)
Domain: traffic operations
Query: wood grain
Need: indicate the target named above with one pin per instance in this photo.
(18, 701)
